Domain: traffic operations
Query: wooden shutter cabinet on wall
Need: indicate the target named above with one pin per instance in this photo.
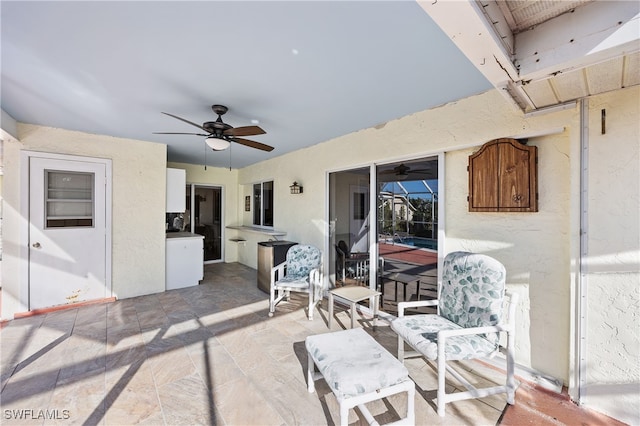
(503, 177)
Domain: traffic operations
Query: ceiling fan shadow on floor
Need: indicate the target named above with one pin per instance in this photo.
(219, 134)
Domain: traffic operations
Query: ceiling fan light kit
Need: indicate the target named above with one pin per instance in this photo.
(217, 144)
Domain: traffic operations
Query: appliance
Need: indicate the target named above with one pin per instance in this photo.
(184, 264)
(270, 254)
(219, 134)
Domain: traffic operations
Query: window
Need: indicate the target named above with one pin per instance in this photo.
(263, 204)
(69, 199)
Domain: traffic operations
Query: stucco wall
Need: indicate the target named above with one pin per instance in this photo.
(536, 248)
(540, 250)
(138, 239)
(228, 180)
(613, 261)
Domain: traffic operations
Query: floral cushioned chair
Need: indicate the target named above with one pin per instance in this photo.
(301, 272)
(467, 326)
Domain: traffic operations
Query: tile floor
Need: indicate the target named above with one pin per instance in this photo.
(202, 355)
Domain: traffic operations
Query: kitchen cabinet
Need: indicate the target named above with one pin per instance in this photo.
(176, 190)
(184, 260)
(503, 177)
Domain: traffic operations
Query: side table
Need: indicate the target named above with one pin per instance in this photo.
(353, 295)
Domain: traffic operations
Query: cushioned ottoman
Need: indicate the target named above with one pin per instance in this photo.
(358, 370)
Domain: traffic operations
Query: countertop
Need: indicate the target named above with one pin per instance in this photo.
(183, 235)
(257, 229)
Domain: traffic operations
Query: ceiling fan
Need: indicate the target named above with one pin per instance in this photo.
(219, 134)
(402, 171)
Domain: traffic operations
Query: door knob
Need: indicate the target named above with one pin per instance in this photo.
(36, 245)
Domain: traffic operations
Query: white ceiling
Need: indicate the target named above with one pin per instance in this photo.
(306, 71)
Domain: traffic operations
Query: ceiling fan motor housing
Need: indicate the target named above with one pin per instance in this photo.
(216, 128)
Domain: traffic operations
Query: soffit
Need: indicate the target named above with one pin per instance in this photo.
(543, 53)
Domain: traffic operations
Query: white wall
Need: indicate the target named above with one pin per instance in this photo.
(138, 239)
(536, 248)
(613, 261)
(540, 250)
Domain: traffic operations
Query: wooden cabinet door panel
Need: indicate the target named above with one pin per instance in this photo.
(503, 177)
(483, 182)
(514, 177)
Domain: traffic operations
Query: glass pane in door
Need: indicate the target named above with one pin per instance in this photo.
(349, 227)
(69, 199)
(407, 229)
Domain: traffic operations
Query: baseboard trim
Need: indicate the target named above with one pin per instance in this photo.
(63, 307)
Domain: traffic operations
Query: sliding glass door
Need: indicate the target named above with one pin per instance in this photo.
(384, 234)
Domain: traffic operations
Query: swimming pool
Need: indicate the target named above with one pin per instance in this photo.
(427, 243)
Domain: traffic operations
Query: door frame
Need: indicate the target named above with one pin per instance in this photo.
(373, 184)
(25, 185)
(192, 191)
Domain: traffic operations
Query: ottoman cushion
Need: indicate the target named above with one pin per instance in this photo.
(353, 363)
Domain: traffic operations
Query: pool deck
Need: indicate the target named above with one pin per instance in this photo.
(408, 254)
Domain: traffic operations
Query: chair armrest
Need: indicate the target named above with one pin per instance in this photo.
(278, 268)
(415, 304)
(316, 283)
(472, 330)
(314, 276)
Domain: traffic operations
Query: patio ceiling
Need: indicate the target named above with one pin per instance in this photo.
(306, 72)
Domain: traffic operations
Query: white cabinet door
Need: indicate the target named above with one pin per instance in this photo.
(176, 190)
(184, 264)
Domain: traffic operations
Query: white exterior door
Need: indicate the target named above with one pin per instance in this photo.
(67, 232)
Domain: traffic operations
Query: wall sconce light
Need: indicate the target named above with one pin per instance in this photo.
(295, 188)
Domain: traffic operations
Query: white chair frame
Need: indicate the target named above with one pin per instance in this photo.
(443, 398)
(282, 291)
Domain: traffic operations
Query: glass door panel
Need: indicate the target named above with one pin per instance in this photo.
(349, 227)
(407, 229)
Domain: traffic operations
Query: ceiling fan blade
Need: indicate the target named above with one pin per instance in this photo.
(253, 144)
(244, 131)
(185, 120)
(174, 133)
